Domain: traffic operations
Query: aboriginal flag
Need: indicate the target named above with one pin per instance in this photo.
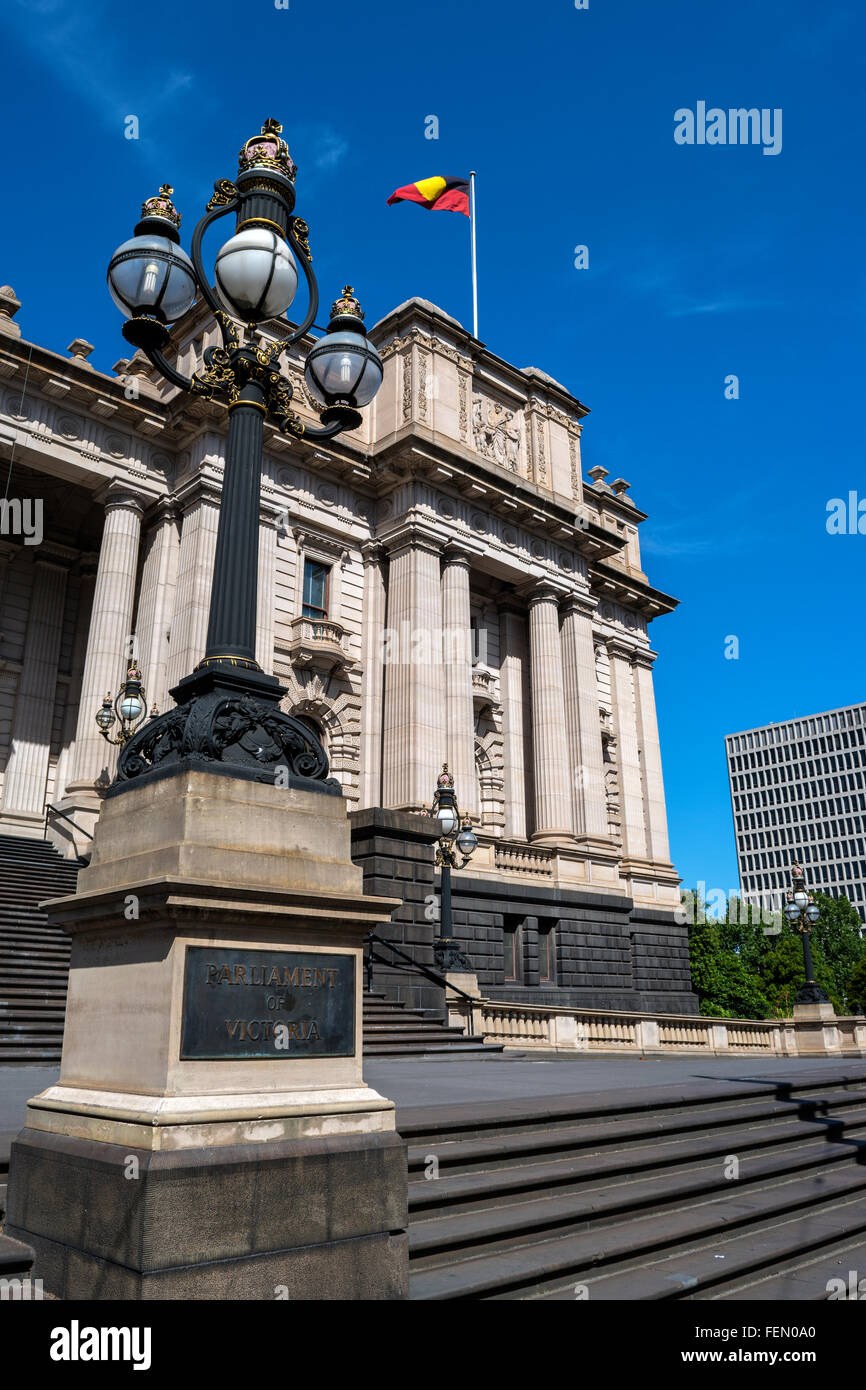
(443, 193)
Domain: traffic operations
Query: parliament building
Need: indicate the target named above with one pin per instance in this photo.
(443, 585)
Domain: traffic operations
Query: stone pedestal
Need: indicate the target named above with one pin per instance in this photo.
(815, 1029)
(211, 1134)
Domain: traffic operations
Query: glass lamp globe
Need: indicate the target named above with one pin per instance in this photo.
(813, 912)
(131, 707)
(792, 911)
(151, 275)
(447, 818)
(343, 369)
(801, 897)
(467, 840)
(256, 275)
(105, 715)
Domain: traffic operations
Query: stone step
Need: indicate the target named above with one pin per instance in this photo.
(602, 1203)
(729, 1264)
(16, 1259)
(577, 1255)
(30, 1053)
(471, 1155)
(471, 1188)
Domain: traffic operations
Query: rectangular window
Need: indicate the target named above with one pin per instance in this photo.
(316, 578)
(512, 951)
(546, 956)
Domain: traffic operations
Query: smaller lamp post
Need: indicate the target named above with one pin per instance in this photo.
(129, 707)
(455, 832)
(803, 912)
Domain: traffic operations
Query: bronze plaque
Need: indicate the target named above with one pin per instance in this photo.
(275, 1004)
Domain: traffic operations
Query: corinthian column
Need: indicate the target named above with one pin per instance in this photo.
(27, 769)
(266, 591)
(516, 725)
(372, 680)
(631, 779)
(155, 603)
(457, 670)
(582, 717)
(198, 538)
(108, 638)
(654, 792)
(413, 735)
(553, 811)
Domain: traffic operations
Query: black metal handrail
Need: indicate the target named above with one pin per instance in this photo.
(56, 811)
(414, 966)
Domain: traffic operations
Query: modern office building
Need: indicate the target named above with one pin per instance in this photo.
(798, 791)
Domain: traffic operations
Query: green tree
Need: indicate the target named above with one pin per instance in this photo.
(836, 937)
(782, 973)
(857, 986)
(725, 985)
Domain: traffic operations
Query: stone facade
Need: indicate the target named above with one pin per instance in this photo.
(482, 604)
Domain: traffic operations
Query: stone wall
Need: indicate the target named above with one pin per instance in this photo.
(395, 851)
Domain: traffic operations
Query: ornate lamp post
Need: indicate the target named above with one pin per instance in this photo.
(227, 710)
(803, 912)
(129, 707)
(455, 832)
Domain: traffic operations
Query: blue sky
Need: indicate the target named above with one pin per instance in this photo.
(704, 261)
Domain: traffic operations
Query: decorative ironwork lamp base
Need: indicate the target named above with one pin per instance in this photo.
(228, 721)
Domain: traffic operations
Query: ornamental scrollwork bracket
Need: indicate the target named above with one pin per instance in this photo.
(302, 236)
(224, 191)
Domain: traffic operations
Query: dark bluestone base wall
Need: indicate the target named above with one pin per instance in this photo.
(396, 852)
(610, 954)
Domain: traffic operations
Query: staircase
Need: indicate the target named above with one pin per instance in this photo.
(34, 956)
(393, 1030)
(631, 1195)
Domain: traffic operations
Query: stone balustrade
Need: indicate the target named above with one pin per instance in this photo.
(523, 859)
(318, 642)
(560, 1029)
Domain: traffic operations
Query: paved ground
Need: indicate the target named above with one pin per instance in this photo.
(440, 1081)
(500, 1077)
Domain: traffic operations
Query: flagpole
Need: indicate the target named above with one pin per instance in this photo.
(474, 262)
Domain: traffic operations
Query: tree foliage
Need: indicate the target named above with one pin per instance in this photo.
(741, 968)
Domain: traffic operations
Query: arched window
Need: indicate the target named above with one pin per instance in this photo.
(315, 728)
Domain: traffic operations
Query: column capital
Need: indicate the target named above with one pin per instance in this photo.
(413, 537)
(373, 552)
(121, 495)
(622, 650)
(642, 656)
(583, 604)
(167, 509)
(88, 564)
(196, 490)
(545, 591)
(455, 555)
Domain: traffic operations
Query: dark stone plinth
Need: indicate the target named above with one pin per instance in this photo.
(301, 1219)
(397, 849)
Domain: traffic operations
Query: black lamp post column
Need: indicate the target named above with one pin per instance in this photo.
(446, 952)
(802, 912)
(231, 632)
